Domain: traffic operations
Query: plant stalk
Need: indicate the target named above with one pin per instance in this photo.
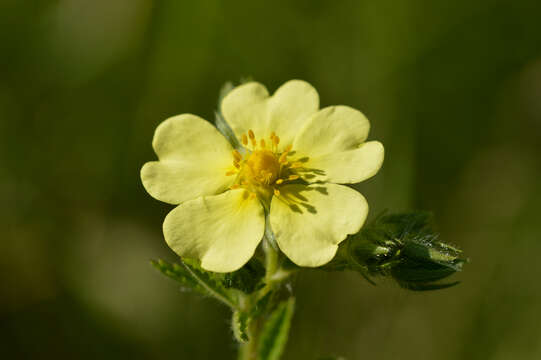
(248, 350)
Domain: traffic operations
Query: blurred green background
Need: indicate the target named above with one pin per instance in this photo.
(452, 88)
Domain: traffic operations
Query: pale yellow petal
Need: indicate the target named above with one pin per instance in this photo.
(290, 108)
(249, 107)
(194, 158)
(332, 129)
(310, 221)
(331, 147)
(345, 167)
(245, 108)
(222, 231)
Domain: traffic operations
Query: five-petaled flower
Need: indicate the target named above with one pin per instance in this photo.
(286, 172)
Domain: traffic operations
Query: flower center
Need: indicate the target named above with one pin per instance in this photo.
(264, 168)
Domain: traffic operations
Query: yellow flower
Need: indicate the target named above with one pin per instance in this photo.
(292, 158)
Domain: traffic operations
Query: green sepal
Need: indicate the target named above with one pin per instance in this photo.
(222, 125)
(275, 332)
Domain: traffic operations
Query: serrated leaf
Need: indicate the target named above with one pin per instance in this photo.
(240, 326)
(179, 274)
(191, 275)
(275, 332)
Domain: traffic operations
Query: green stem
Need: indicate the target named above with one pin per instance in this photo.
(248, 350)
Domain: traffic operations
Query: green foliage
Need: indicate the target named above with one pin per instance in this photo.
(403, 246)
(276, 330)
(191, 276)
(248, 278)
(239, 324)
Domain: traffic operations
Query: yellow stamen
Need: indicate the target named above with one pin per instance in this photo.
(230, 172)
(237, 155)
(262, 143)
(276, 140)
(279, 181)
(296, 165)
(244, 139)
(288, 148)
(293, 177)
(252, 196)
(234, 186)
(276, 192)
(283, 157)
(251, 134)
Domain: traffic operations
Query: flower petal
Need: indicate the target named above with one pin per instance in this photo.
(194, 158)
(249, 107)
(222, 231)
(331, 147)
(346, 167)
(310, 221)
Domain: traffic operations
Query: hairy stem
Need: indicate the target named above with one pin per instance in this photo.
(248, 350)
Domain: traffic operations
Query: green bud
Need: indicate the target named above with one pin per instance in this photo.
(402, 246)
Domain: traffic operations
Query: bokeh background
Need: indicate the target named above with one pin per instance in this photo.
(452, 88)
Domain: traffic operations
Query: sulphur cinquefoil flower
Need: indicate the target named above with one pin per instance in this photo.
(292, 158)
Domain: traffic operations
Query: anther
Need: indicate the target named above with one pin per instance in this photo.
(237, 155)
(230, 172)
(262, 143)
(283, 157)
(252, 196)
(288, 148)
(234, 186)
(293, 177)
(251, 134)
(276, 192)
(279, 181)
(236, 164)
(276, 140)
(296, 165)
(244, 139)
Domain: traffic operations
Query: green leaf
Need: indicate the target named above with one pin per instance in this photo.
(275, 331)
(192, 276)
(240, 325)
(248, 278)
(180, 274)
